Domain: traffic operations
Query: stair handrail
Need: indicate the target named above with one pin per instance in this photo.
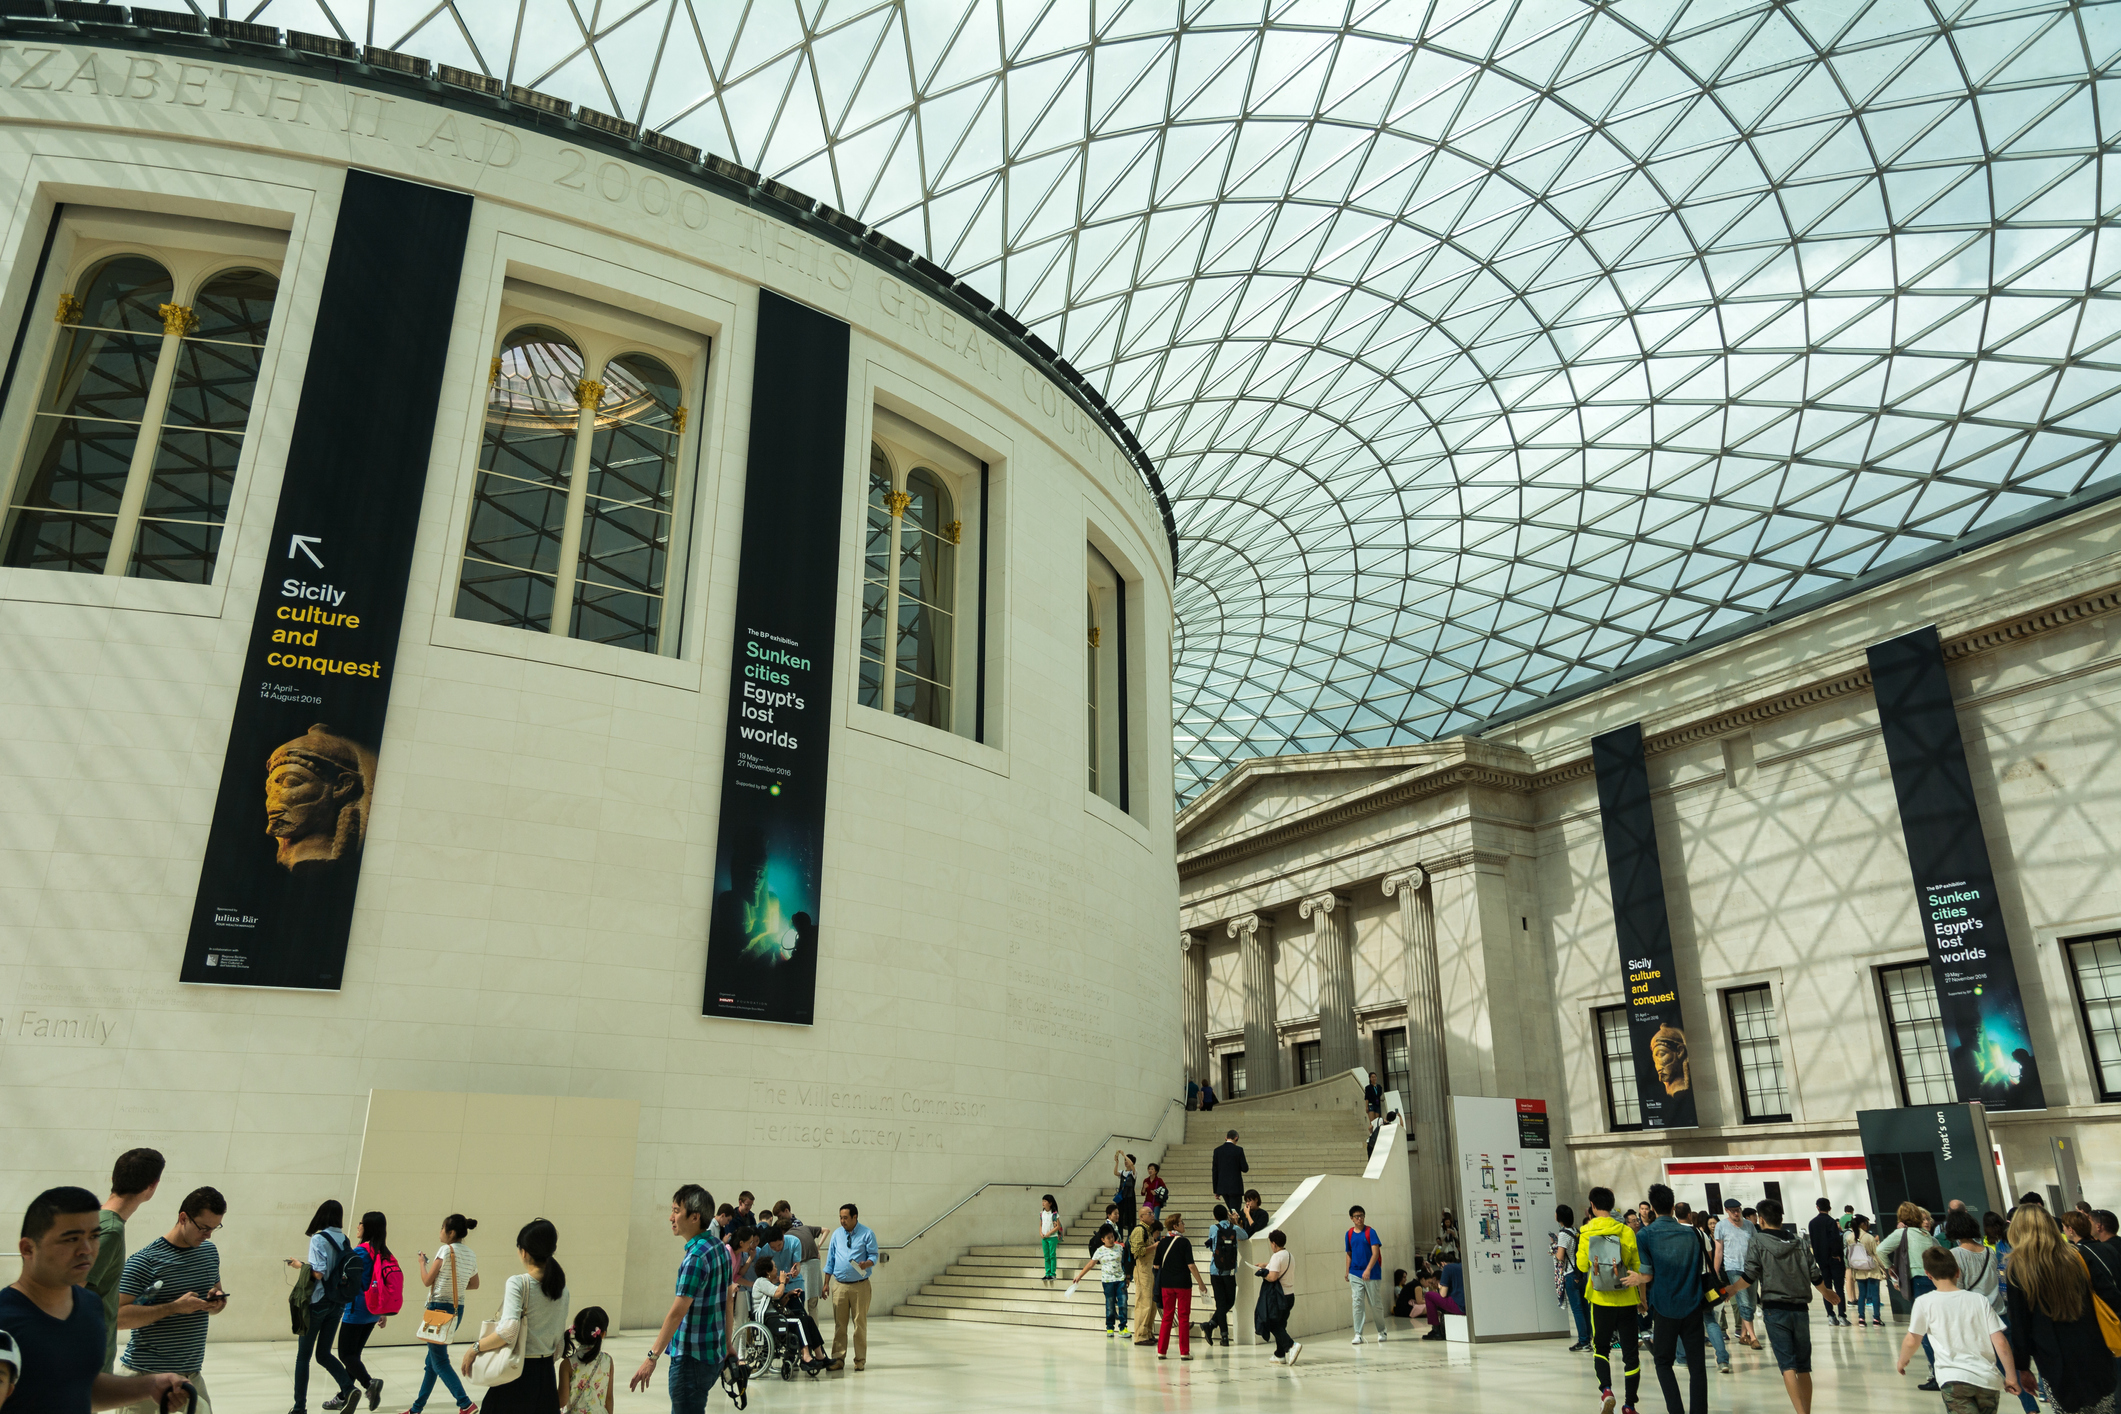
(1095, 1155)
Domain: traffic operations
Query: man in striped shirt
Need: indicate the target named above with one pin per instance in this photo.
(167, 1293)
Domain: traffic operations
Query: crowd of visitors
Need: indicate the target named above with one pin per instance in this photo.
(2023, 1305)
(79, 1288)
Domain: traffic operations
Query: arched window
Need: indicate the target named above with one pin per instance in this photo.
(909, 594)
(1105, 679)
(132, 452)
(1091, 643)
(576, 496)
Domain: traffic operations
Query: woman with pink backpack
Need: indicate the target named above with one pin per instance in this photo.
(382, 1295)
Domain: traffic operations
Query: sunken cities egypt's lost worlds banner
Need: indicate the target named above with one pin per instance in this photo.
(769, 865)
(1955, 889)
(283, 858)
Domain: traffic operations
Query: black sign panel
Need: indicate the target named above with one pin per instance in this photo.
(1656, 1032)
(1929, 1155)
(769, 875)
(276, 892)
(1955, 893)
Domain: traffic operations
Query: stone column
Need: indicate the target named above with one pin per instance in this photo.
(1193, 977)
(1332, 923)
(1428, 1098)
(1255, 935)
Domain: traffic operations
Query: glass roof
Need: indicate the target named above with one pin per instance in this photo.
(1485, 346)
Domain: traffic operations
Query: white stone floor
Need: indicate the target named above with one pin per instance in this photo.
(933, 1367)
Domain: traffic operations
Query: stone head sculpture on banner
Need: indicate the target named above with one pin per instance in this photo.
(316, 798)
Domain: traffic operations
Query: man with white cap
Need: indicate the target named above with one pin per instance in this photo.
(10, 1365)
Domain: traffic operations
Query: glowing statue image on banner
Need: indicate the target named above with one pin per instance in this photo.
(317, 789)
(751, 908)
(763, 934)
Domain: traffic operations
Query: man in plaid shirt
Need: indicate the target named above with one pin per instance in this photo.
(696, 1330)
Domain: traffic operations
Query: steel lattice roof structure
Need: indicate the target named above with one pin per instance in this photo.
(1488, 348)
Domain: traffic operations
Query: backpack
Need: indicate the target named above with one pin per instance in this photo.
(1860, 1259)
(345, 1278)
(385, 1295)
(1608, 1261)
(1225, 1249)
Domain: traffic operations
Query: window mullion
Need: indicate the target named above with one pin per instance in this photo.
(895, 507)
(176, 320)
(588, 393)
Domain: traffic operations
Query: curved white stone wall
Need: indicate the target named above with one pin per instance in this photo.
(996, 991)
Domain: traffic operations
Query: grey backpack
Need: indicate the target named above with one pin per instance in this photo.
(1608, 1261)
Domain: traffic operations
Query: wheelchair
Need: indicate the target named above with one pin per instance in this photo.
(777, 1339)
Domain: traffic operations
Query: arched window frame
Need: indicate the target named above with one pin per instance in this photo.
(908, 450)
(602, 337)
(194, 254)
(1105, 645)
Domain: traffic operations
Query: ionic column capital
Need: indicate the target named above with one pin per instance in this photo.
(1185, 942)
(1412, 879)
(1246, 925)
(1319, 903)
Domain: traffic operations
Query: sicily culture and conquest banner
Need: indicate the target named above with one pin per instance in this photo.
(276, 891)
(1664, 1075)
(769, 862)
(1955, 893)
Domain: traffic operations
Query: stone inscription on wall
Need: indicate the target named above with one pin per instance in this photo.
(722, 233)
(808, 1115)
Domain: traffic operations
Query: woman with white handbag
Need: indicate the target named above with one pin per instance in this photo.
(514, 1355)
(453, 1271)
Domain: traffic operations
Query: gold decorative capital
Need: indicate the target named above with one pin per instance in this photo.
(588, 392)
(493, 375)
(1095, 635)
(896, 502)
(70, 309)
(677, 419)
(954, 532)
(178, 319)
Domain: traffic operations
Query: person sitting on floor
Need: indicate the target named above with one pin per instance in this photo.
(1443, 1293)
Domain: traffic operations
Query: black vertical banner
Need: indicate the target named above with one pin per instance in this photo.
(762, 937)
(1656, 1032)
(276, 891)
(1955, 893)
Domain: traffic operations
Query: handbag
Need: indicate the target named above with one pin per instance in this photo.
(437, 1322)
(498, 1367)
(2109, 1323)
(1712, 1289)
(298, 1300)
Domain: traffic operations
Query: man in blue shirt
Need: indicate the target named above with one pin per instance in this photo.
(695, 1331)
(1733, 1235)
(848, 1261)
(1365, 1264)
(1671, 1268)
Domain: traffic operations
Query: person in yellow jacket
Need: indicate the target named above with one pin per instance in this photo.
(1606, 1255)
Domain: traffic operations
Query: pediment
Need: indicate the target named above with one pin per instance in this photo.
(1265, 789)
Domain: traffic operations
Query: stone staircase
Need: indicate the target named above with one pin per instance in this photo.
(1004, 1285)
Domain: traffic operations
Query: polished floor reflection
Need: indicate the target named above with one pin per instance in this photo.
(929, 1367)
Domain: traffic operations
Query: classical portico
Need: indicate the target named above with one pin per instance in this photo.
(1369, 910)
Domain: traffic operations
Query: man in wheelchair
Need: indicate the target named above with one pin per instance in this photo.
(777, 1304)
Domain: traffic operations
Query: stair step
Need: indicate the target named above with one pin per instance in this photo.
(1028, 1305)
(1003, 1318)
